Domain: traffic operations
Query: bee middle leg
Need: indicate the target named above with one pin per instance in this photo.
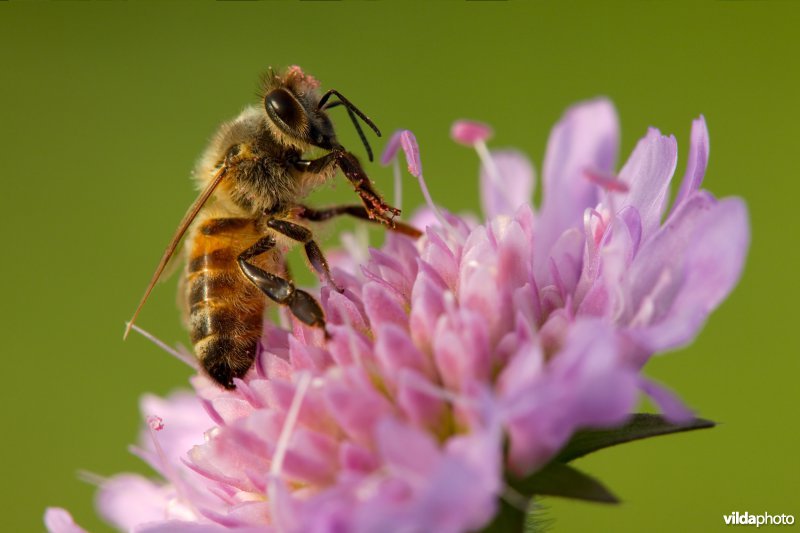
(304, 236)
(278, 289)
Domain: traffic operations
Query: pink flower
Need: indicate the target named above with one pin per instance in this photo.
(522, 329)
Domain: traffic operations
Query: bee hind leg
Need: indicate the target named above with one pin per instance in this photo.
(278, 289)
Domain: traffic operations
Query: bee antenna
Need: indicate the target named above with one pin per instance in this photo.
(360, 133)
(352, 112)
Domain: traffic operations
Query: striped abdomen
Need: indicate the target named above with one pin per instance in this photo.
(225, 309)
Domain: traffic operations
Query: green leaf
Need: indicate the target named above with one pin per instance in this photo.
(559, 479)
(640, 426)
(508, 519)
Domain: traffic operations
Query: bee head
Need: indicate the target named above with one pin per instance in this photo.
(292, 105)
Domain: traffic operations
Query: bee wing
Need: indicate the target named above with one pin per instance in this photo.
(176, 239)
(174, 264)
(182, 301)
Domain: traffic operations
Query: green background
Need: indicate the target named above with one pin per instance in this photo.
(106, 106)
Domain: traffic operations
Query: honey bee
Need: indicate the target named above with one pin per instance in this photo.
(252, 176)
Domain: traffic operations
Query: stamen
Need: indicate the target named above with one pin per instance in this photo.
(436, 391)
(189, 360)
(90, 477)
(609, 182)
(475, 134)
(356, 244)
(468, 132)
(405, 139)
(494, 174)
(411, 148)
(154, 424)
(398, 184)
(283, 440)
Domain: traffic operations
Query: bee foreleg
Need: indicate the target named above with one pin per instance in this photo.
(280, 290)
(314, 254)
(376, 207)
(356, 211)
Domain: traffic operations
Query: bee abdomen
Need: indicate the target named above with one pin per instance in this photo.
(226, 314)
(225, 357)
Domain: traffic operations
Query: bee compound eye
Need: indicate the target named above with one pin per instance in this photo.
(281, 105)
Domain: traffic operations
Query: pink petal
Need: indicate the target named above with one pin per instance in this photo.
(344, 309)
(356, 458)
(348, 346)
(686, 270)
(389, 268)
(648, 173)
(423, 218)
(524, 367)
(127, 500)
(184, 420)
(585, 385)
(58, 520)
(416, 398)
(404, 252)
(303, 356)
(516, 184)
(483, 451)
(231, 408)
(461, 349)
(514, 262)
(392, 148)
(449, 498)
(313, 411)
(441, 258)
(427, 305)
(405, 449)
(587, 137)
(673, 409)
(383, 306)
(356, 404)
(696, 163)
(311, 457)
(395, 350)
(177, 526)
(562, 267)
(598, 293)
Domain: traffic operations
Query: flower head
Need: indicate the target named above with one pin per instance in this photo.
(519, 330)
